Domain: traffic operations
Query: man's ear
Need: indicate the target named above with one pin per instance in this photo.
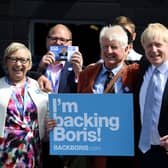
(127, 48)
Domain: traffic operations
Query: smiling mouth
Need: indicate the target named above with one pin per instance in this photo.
(110, 56)
(17, 71)
(155, 57)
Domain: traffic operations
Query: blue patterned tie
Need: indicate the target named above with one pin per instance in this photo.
(145, 137)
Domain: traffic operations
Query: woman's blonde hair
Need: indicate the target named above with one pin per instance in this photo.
(13, 47)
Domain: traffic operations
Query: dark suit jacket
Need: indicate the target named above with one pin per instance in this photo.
(85, 85)
(67, 80)
(63, 54)
(163, 120)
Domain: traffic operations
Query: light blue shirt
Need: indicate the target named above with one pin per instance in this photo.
(100, 81)
(163, 69)
(53, 73)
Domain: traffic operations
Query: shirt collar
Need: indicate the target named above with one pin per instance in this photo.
(56, 67)
(163, 68)
(114, 70)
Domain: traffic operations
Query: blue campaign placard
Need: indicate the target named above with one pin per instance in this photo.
(92, 124)
(63, 53)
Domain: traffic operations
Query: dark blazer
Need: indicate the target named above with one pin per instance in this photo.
(85, 85)
(63, 54)
(163, 120)
(67, 80)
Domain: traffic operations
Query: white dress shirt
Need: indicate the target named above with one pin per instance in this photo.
(133, 55)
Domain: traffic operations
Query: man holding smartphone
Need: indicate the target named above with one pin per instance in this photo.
(62, 74)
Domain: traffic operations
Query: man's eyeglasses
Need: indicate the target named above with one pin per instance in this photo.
(21, 60)
(63, 40)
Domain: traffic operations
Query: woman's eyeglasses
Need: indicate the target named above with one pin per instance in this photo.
(15, 60)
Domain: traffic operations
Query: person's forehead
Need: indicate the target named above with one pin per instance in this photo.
(154, 41)
(61, 31)
(154, 38)
(128, 28)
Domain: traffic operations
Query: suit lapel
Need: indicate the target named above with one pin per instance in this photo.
(93, 73)
(144, 65)
(67, 78)
(89, 76)
(163, 120)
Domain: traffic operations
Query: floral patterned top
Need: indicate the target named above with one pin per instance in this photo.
(21, 146)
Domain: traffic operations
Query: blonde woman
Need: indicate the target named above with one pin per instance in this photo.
(23, 108)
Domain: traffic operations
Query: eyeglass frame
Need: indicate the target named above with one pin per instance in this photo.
(15, 60)
(63, 40)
